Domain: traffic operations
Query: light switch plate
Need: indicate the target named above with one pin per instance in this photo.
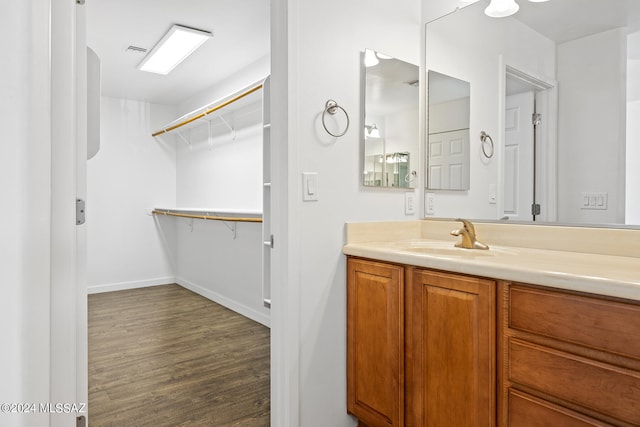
(309, 186)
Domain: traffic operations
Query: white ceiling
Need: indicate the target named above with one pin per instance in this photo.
(240, 37)
(564, 20)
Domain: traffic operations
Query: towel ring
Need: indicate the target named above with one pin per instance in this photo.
(332, 108)
(410, 177)
(484, 137)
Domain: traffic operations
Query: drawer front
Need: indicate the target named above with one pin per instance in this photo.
(600, 387)
(528, 411)
(588, 321)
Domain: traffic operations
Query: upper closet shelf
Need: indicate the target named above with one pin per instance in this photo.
(237, 99)
(212, 214)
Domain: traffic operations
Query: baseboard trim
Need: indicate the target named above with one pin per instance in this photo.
(97, 289)
(224, 301)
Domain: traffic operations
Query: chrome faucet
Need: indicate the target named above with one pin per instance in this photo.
(468, 235)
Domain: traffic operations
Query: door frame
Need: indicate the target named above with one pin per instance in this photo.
(547, 135)
(66, 304)
(68, 278)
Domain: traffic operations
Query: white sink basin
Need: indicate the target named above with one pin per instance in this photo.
(447, 249)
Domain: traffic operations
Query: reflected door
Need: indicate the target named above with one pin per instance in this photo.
(518, 156)
(449, 160)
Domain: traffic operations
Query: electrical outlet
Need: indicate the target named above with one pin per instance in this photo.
(493, 194)
(409, 203)
(429, 202)
(594, 201)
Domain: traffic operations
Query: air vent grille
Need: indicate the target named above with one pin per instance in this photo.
(136, 49)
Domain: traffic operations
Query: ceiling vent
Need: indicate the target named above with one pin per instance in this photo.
(136, 49)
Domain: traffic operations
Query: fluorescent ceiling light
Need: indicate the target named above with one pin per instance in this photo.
(178, 43)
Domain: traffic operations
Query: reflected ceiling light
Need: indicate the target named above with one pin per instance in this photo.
(501, 8)
(370, 58)
(371, 131)
(178, 43)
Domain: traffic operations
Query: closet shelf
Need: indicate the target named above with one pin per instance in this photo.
(204, 111)
(211, 214)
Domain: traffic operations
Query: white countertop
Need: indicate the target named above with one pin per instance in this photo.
(611, 275)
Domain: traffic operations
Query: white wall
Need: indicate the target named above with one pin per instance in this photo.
(592, 87)
(131, 173)
(221, 264)
(25, 200)
(475, 49)
(325, 65)
(226, 170)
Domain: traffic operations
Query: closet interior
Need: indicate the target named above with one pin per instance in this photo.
(179, 191)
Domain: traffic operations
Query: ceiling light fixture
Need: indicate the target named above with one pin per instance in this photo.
(371, 131)
(370, 58)
(501, 8)
(178, 43)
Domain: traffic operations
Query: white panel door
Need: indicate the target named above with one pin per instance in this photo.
(449, 160)
(518, 156)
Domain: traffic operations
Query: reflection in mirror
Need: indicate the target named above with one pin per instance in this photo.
(390, 122)
(448, 128)
(577, 64)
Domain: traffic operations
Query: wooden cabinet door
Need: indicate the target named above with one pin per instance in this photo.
(375, 345)
(450, 350)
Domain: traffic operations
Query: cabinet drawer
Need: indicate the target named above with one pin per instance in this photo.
(603, 388)
(592, 322)
(528, 411)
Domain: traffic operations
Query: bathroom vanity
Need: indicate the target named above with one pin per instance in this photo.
(521, 336)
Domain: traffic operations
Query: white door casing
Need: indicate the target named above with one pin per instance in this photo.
(68, 181)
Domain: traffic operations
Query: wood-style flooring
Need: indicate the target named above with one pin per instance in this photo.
(165, 356)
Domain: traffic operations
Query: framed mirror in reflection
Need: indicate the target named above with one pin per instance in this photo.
(557, 85)
(390, 130)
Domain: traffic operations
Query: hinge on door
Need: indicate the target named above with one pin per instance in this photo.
(79, 1)
(81, 421)
(535, 209)
(80, 211)
(536, 119)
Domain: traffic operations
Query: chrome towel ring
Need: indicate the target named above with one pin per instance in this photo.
(487, 144)
(332, 108)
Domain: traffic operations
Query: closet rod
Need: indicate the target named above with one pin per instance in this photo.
(209, 111)
(210, 217)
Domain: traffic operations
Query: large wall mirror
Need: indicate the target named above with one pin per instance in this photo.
(390, 121)
(557, 86)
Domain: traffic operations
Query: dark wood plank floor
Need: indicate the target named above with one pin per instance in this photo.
(165, 356)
